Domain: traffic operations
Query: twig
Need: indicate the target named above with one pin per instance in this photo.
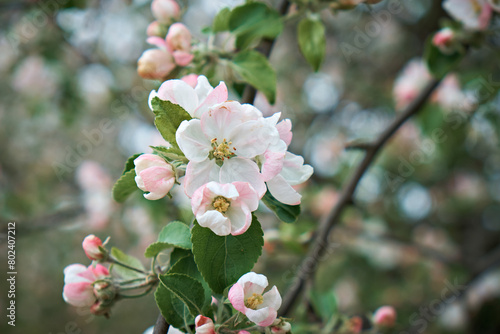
(318, 248)
(161, 326)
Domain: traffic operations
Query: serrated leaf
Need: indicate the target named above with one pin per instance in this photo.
(256, 70)
(124, 186)
(312, 41)
(172, 308)
(286, 213)
(178, 254)
(324, 303)
(221, 20)
(440, 64)
(175, 234)
(128, 260)
(130, 163)
(187, 289)
(168, 117)
(253, 21)
(223, 260)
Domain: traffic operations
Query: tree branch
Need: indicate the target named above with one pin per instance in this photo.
(309, 264)
(161, 326)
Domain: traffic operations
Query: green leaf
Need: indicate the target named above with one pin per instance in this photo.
(324, 303)
(253, 21)
(221, 20)
(175, 234)
(187, 289)
(223, 260)
(286, 213)
(172, 308)
(168, 117)
(130, 163)
(124, 186)
(254, 68)
(128, 260)
(177, 255)
(440, 64)
(169, 153)
(312, 42)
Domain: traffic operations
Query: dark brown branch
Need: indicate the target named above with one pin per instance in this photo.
(161, 326)
(320, 244)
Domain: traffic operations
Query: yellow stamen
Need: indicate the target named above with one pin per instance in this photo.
(221, 204)
(254, 301)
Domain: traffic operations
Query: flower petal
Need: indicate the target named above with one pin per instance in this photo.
(199, 173)
(236, 296)
(262, 317)
(272, 299)
(283, 191)
(79, 294)
(252, 138)
(240, 217)
(294, 171)
(247, 195)
(179, 92)
(192, 141)
(217, 95)
(285, 130)
(253, 283)
(215, 221)
(238, 169)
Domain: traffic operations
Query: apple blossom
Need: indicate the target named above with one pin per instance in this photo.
(444, 39)
(196, 101)
(385, 316)
(221, 145)
(153, 175)
(155, 64)
(179, 43)
(410, 82)
(204, 325)
(154, 29)
(165, 10)
(246, 296)
(474, 14)
(91, 246)
(225, 208)
(78, 284)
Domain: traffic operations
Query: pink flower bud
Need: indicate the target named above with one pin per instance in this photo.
(385, 316)
(155, 64)
(78, 284)
(443, 38)
(155, 29)
(165, 11)
(179, 43)
(153, 175)
(204, 325)
(91, 245)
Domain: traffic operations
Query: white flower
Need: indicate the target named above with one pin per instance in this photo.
(221, 145)
(225, 208)
(246, 296)
(474, 14)
(196, 101)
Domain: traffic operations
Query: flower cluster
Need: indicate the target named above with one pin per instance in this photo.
(171, 50)
(235, 155)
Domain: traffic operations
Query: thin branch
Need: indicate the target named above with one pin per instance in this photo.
(308, 267)
(161, 326)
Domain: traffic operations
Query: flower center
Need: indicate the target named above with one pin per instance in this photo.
(221, 204)
(477, 7)
(254, 301)
(223, 150)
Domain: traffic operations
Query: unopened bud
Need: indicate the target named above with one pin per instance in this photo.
(155, 64)
(93, 248)
(165, 11)
(444, 40)
(105, 292)
(385, 316)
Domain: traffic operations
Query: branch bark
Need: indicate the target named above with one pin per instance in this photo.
(161, 326)
(317, 250)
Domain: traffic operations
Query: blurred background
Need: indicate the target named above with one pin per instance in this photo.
(426, 217)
